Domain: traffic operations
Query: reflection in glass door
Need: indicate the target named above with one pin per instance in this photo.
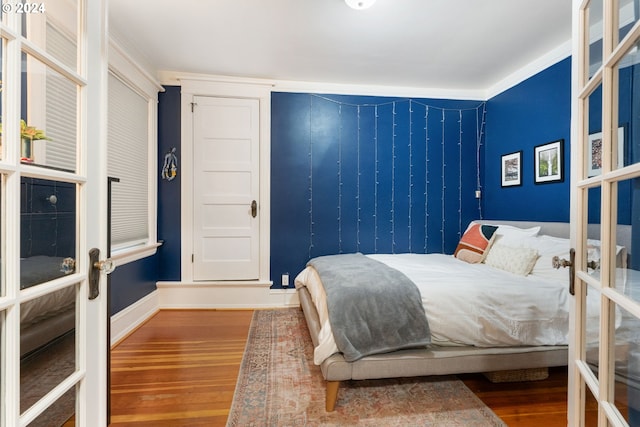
(605, 367)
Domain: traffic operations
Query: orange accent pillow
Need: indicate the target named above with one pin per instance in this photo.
(475, 243)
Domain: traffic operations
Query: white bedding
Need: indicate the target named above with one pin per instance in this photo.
(471, 304)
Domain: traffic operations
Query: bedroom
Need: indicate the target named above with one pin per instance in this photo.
(513, 114)
(134, 289)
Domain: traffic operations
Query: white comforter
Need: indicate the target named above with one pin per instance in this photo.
(469, 304)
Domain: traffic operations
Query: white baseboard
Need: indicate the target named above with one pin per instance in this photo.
(127, 320)
(239, 295)
(177, 295)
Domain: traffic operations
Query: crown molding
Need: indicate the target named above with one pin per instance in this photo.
(563, 51)
(553, 57)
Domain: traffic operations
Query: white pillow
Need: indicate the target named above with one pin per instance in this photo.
(512, 259)
(514, 236)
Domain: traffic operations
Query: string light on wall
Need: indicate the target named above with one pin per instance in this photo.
(377, 182)
(359, 4)
(426, 178)
(460, 175)
(382, 156)
(340, 179)
(479, 134)
(410, 195)
(310, 176)
(393, 181)
(444, 186)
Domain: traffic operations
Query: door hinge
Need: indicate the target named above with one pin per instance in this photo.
(193, 104)
(192, 258)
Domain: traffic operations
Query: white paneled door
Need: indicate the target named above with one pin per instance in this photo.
(226, 208)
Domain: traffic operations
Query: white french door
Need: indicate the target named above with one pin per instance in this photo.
(604, 356)
(52, 210)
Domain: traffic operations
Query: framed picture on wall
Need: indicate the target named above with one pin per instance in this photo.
(512, 169)
(548, 162)
(594, 165)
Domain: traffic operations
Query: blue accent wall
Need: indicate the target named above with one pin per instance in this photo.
(535, 112)
(169, 194)
(370, 174)
(389, 175)
(132, 281)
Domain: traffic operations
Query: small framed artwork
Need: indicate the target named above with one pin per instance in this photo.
(594, 165)
(548, 162)
(512, 169)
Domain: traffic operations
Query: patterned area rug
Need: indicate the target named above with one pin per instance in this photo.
(278, 385)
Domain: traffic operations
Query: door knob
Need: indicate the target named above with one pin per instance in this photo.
(97, 266)
(254, 209)
(558, 262)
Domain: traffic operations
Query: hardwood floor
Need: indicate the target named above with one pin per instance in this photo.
(525, 404)
(180, 368)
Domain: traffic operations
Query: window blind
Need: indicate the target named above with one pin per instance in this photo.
(61, 105)
(128, 146)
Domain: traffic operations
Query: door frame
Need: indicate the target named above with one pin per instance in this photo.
(192, 86)
(236, 265)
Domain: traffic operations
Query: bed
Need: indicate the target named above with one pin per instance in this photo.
(481, 337)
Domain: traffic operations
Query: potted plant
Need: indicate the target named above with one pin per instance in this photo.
(28, 134)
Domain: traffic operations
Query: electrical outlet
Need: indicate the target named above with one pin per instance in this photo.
(285, 280)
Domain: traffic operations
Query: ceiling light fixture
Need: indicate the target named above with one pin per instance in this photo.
(359, 4)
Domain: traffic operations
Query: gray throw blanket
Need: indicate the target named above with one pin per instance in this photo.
(373, 308)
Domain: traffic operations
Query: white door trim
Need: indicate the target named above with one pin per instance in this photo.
(199, 86)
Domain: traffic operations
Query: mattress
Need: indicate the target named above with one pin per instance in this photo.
(472, 304)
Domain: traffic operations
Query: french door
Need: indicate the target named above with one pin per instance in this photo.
(604, 357)
(52, 210)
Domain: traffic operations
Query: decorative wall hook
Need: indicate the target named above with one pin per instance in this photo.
(170, 166)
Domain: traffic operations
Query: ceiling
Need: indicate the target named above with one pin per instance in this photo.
(463, 45)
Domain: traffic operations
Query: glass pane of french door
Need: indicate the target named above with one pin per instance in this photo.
(627, 16)
(41, 127)
(626, 282)
(593, 33)
(48, 244)
(608, 186)
(53, 27)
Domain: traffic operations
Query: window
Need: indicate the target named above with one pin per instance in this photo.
(131, 158)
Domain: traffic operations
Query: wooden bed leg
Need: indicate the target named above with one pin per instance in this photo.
(332, 395)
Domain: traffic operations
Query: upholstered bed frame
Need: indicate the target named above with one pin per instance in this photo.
(439, 360)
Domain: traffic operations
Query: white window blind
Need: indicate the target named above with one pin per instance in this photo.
(128, 157)
(60, 108)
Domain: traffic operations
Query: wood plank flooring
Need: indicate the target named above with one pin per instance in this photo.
(180, 368)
